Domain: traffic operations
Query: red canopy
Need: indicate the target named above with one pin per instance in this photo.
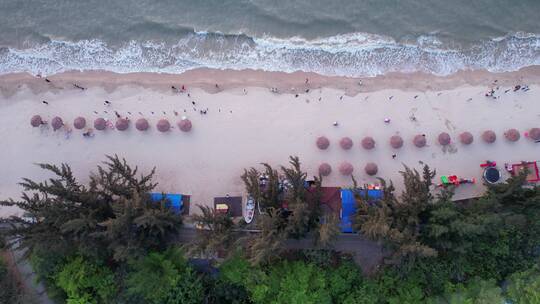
(444, 139)
(100, 124)
(371, 169)
(142, 124)
(185, 125)
(122, 124)
(368, 143)
(36, 121)
(396, 141)
(57, 123)
(512, 135)
(325, 169)
(466, 138)
(163, 125)
(419, 140)
(489, 136)
(79, 123)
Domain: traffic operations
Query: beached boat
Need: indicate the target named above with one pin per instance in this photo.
(250, 210)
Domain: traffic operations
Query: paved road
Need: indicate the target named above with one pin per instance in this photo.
(367, 254)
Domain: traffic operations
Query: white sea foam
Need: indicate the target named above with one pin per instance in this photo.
(357, 54)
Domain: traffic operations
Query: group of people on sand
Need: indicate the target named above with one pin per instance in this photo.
(493, 90)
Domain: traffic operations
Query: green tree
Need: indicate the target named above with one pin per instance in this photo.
(475, 292)
(164, 278)
(398, 223)
(215, 233)
(524, 287)
(86, 282)
(111, 217)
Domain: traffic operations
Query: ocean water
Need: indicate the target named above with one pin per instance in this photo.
(332, 37)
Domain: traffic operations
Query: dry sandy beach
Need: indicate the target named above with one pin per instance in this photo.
(246, 124)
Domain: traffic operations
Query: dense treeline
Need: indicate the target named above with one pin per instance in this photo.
(107, 242)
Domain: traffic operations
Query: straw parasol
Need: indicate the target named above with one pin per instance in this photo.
(346, 168)
(346, 143)
(325, 169)
(396, 141)
(419, 140)
(368, 143)
(57, 123)
(79, 122)
(185, 125)
(122, 124)
(36, 121)
(323, 142)
(371, 169)
(444, 139)
(163, 125)
(142, 124)
(489, 136)
(512, 135)
(100, 124)
(466, 138)
(534, 133)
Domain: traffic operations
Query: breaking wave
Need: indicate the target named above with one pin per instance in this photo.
(356, 54)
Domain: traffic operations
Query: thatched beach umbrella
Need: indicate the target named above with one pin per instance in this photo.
(346, 143)
(346, 168)
(36, 121)
(444, 139)
(419, 140)
(534, 133)
(163, 125)
(184, 125)
(512, 135)
(323, 142)
(489, 136)
(325, 169)
(466, 138)
(100, 124)
(79, 122)
(142, 124)
(396, 141)
(122, 124)
(57, 123)
(371, 169)
(368, 143)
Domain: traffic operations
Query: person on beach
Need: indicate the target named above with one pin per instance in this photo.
(89, 133)
(45, 102)
(387, 120)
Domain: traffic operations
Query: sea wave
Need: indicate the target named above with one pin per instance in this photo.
(356, 54)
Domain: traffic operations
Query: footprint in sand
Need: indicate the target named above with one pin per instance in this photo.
(449, 125)
(452, 149)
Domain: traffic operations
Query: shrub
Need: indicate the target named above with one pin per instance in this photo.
(86, 281)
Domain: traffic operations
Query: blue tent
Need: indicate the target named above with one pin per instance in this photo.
(348, 205)
(174, 199)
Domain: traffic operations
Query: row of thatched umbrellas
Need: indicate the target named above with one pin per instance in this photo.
(396, 142)
(346, 168)
(420, 140)
(122, 124)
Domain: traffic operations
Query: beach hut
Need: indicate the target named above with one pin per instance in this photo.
(163, 125)
(79, 123)
(185, 125)
(57, 123)
(36, 121)
(419, 140)
(444, 139)
(368, 143)
(322, 142)
(100, 124)
(489, 136)
(122, 124)
(534, 133)
(512, 135)
(232, 204)
(348, 205)
(466, 138)
(371, 169)
(142, 124)
(346, 143)
(175, 201)
(396, 141)
(325, 169)
(346, 168)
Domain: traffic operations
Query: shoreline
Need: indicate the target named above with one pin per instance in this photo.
(292, 83)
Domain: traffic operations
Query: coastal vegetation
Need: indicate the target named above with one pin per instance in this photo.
(108, 242)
